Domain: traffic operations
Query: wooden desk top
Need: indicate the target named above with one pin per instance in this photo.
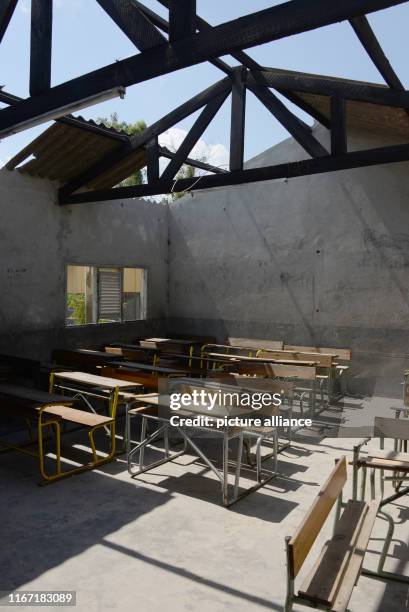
(176, 341)
(240, 358)
(34, 396)
(134, 347)
(92, 353)
(146, 367)
(96, 381)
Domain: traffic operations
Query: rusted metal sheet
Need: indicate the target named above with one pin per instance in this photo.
(66, 149)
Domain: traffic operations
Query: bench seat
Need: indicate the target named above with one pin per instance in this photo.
(387, 460)
(81, 417)
(148, 410)
(331, 580)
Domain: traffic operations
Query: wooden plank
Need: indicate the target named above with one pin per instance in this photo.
(152, 158)
(289, 121)
(324, 580)
(193, 135)
(90, 379)
(371, 45)
(330, 163)
(182, 19)
(244, 59)
(236, 358)
(82, 417)
(269, 24)
(161, 23)
(342, 353)
(148, 380)
(306, 534)
(238, 118)
(355, 564)
(133, 23)
(130, 354)
(330, 86)
(385, 464)
(145, 367)
(40, 46)
(195, 163)
(391, 428)
(321, 359)
(256, 343)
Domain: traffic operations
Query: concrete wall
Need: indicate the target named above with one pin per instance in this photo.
(320, 260)
(38, 238)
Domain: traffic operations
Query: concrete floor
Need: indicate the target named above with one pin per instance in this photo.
(164, 542)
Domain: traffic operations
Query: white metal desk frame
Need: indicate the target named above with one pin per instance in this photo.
(227, 433)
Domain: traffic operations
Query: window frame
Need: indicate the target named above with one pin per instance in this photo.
(144, 293)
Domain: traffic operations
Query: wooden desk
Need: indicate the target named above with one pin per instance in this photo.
(83, 358)
(133, 352)
(34, 396)
(174, 345)
(142, 373)
(48, 411)
(145, 367)
(93, 380)
(260, 360)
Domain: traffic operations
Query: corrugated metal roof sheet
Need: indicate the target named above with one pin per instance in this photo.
(66, 150)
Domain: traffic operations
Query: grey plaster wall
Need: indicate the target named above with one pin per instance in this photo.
(320, 260)
(38, 238)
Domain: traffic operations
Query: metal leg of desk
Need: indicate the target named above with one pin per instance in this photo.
(222, 475)
(144, 442)
(225, 482)
(380, 572)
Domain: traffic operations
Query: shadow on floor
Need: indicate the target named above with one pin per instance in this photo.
(42, 527)
(192, 576)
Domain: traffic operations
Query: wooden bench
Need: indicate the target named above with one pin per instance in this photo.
(340, 354)
(286, 372)
(330, 582)
(323, 361)
(80, 417)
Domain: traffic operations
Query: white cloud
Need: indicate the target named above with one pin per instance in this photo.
(214, 154)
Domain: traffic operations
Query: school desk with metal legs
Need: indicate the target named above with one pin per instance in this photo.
(50, 411)
(156, 409)
(86, 386)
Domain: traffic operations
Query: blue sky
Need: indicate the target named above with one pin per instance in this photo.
(84, 38)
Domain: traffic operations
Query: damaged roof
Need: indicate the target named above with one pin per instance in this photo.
(72, 145)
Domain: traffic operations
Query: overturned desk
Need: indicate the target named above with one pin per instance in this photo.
(156, 408)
